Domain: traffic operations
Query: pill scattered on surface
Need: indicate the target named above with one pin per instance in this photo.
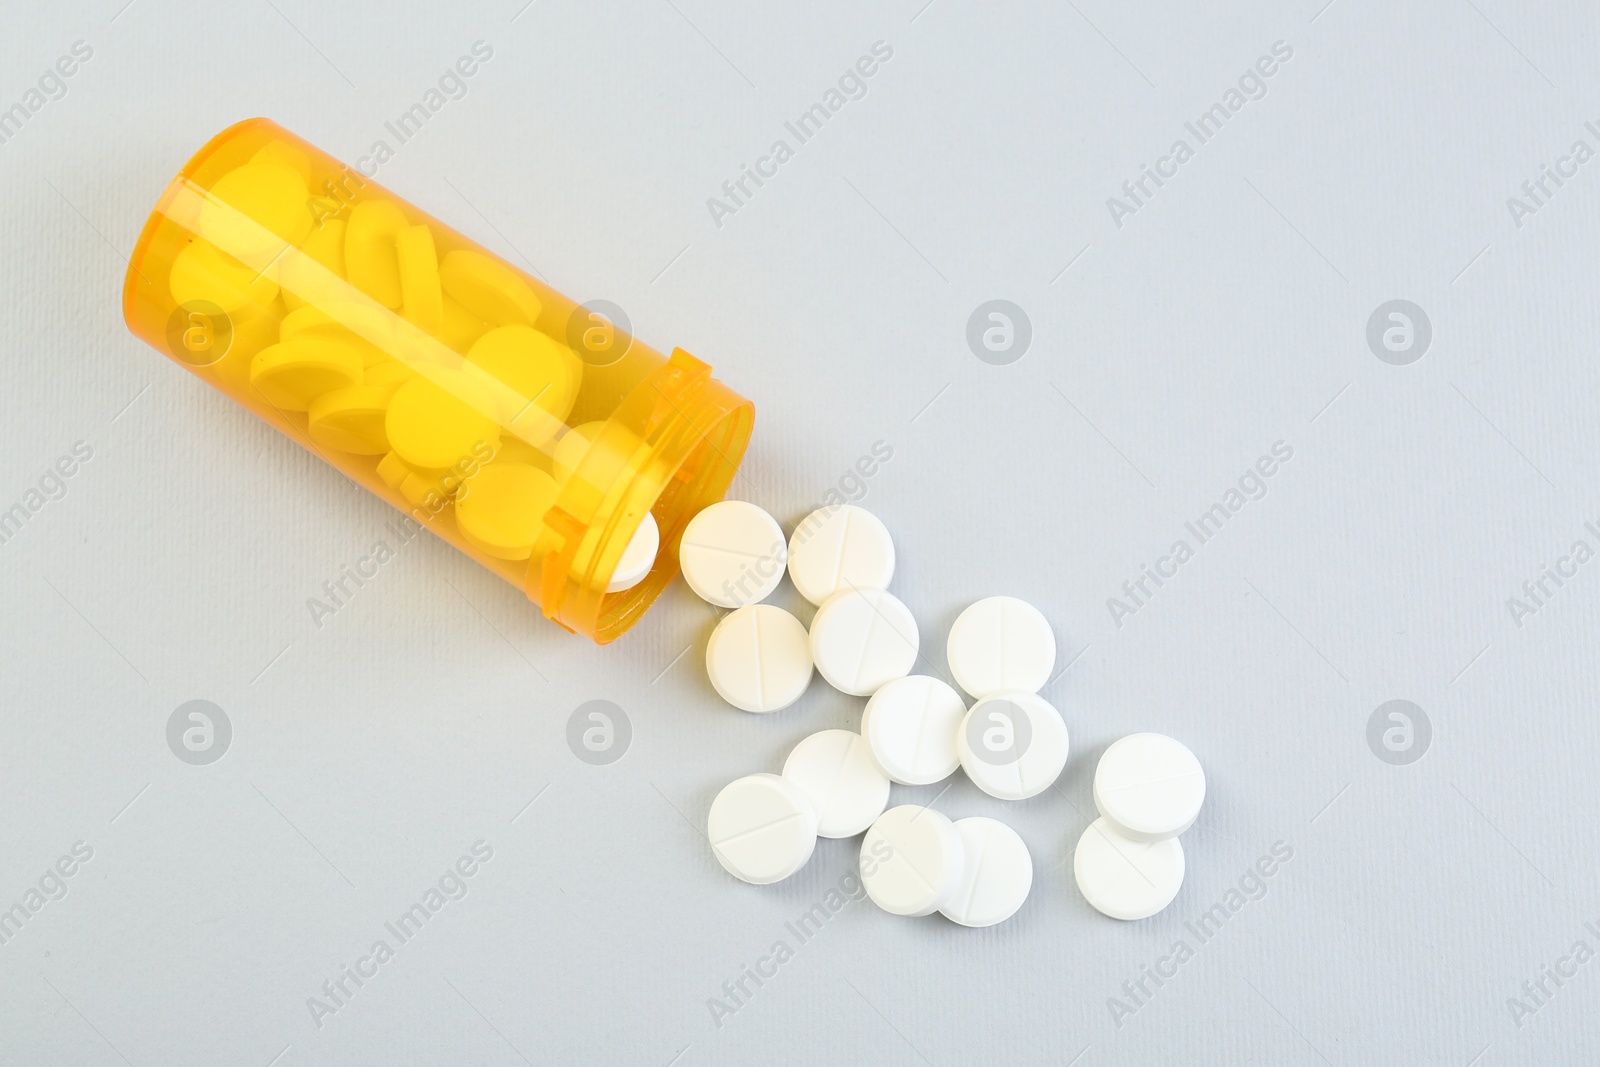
(835, 769)
(862, 639)
(759, 658)
(995, 877)
(1001, 643)
(638, 557)
(1126, 879)
(1149, 787)
(910, 725)
(732, 554)
(912, 860)
(839, 547)
(762, 829)
(1013, 745)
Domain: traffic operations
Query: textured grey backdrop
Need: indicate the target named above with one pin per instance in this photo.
(1176, 337)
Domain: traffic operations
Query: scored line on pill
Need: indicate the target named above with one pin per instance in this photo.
(742, 834)
(761, 676)
(905, 855)
(977, 865)
(917, 646)
(1148, 781)
(725, 551)
(866, 642)
(1124, 857)
(838, 556)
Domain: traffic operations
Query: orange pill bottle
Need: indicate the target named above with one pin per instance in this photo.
(533, 433)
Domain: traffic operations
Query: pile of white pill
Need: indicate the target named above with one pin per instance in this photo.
(915, 730)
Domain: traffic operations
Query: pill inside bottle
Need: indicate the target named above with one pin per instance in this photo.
(530, 431)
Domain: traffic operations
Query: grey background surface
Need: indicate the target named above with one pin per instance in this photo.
(1169, 353)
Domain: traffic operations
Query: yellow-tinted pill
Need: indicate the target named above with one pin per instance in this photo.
(291, 374)
(362, 326)
(489, 289)
(314, 272)
(255, 209)
(536, 378)
(387, 375)
(393, 470)
(287, 154)
(435, 426)
(570, 449)
(420, 490)
(513, 449)
(501, 509)
(460, 327)
(370, 262)
(202, 272)
(350, 420)
(422, 300)
(252, 332)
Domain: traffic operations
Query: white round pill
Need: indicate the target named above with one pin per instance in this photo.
(638, 557)
(862, 639)
(837, 547)
(835, 769)
(996, 876)
(1149, 787)
(762, 828)
(1001, 643)
(911, 860)
(759, 658)
(910, 725)
(732, 554)
(1126, 879)
(1013, 745)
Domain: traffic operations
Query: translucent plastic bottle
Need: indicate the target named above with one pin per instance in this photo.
(532, 433)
